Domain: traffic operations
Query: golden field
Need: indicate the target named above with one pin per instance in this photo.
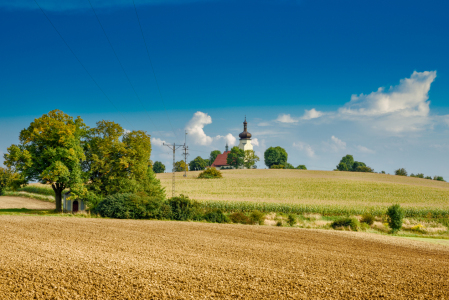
(75, 258)
(313, 187)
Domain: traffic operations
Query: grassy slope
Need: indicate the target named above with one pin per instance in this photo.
(328, 188)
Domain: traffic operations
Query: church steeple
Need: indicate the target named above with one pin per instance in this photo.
(227, 147)
(245, 135)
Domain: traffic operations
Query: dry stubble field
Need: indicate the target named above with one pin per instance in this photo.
(349, 189)
(69, 258)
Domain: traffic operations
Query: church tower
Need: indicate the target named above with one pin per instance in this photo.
(245, 138)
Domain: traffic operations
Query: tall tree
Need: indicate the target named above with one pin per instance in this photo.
(198, 164)
(181, 166)
(213, 156)
(236, 157)
(158, 167)
(346, 163)
(275, 156)
(50, 151)
(118, 162)
(250, 159)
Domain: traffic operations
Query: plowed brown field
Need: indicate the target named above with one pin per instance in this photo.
(69, 258)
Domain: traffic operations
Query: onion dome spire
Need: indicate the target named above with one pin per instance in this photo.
(245, 135)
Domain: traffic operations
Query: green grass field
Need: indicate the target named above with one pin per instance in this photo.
(314, 190)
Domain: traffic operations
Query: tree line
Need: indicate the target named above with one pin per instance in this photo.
(90, 163)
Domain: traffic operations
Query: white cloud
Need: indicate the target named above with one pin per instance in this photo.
(311, 114)
(229, 139)
(255, 142)
(286, 118)
(365, 150)
(404, 107)
(306, 148)
(126, 130)
(338, 144)
(195, 128)
(262, 124)
(157, 142)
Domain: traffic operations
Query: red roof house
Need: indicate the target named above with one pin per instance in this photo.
(220, 161)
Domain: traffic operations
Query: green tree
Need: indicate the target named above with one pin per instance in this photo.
(395, 215)
(364, 169)
(288, 166)
(180, 166)
(439, 178)
(236, 157)
(275, 156)
(357, 164)
(213, 156)
(50, 151)
(400, 172)
(120, 163)
(158, 167)
(4, 180)
(346, 163)
(301, 167)
(250, 159)
(198, 164)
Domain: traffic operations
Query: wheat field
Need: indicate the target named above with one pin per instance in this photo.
(328, 188)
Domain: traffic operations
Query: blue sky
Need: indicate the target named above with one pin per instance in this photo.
(305, 73)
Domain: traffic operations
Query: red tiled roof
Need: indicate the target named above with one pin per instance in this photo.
(221, 160)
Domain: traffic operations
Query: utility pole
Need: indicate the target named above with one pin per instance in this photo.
(186, 148)
(173, 147)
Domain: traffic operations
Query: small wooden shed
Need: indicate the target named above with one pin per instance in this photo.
(72, 205)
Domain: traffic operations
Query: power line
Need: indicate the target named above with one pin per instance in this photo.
(82, 65)
(152, 68)
(174, 147)
(121, 65)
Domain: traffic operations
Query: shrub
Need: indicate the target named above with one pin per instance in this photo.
(210, 173)
(129, 206)
(364, 169)
(216, 216)
(367, 219)
(395, 215)
(419, 175)
(277, 167)
(257, 217)
(291, 219)
(239, 217)
(182, 208)
(4, 179)
(400, 172)
(288, 166)
(353, 223)
(428, 177)
(301, 167)
(439, 178)
(279, 223)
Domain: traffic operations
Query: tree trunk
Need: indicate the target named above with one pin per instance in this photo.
(58, 196)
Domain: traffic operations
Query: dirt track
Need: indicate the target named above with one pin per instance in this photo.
(67, 258)
(20, 202)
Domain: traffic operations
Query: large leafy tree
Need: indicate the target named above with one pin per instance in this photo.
(236, 157)
(158, 167)
(213, 156)
(118, 162)
(181, 166)
(275, 156)
(198, 164)
(347, 163)
(250, 159)
(50, 151)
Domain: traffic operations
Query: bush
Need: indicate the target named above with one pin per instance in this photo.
(216, 216)
(395, 214)
(439, 178)
(239, 217)
(4, 180)
(277, 167)
(353, 223)
(210, 173)
(182, 208)
(364, 169)
(428, 177)
(367, 219)
(129, 206)
(279, 223)
(400, 172)
(419, 175)
(291, 220)
(257, 217)
(288, 166)
(301, 167)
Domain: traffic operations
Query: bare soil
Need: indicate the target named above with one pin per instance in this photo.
(19, 202)
(68, 258)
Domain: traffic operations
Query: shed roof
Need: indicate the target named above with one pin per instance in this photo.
(220, 161)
